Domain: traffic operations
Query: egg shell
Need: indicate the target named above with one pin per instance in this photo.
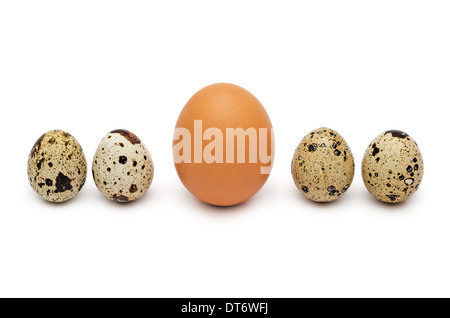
(57, 166)
(122, 166)
(221, 106)
(323, 166)
(392, 167)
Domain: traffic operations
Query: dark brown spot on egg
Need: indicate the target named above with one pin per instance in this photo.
(375, 149)
(392, 197)
(123, 159)
(120, 198)
(48, 182)
(397, 133)
(39, 163)
(345, 188)
(66, 134)
(63, 183)
(37, 146)
(332, 191)
(81, 185)
(133, 188)
(128, 135)
(312, 147)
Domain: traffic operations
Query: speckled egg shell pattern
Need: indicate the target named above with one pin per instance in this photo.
(57, 166)
(392, 167)
(323, 166)
(122, 166)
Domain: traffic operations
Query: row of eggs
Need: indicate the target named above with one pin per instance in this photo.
(122, 167)
(322, 166)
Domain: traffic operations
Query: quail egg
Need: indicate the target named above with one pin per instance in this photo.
(323, 166)
(392, 167)
(122, 167)
(57, 166)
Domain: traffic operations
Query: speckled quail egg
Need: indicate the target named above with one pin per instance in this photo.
(323, 166)
(122, 166)
(392, 167)
(57, 166)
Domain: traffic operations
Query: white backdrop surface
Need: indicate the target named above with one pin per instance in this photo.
(358, 67)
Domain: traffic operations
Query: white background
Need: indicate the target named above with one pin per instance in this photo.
(359, 67)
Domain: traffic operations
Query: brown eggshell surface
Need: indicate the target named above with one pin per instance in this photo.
(223, 106)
